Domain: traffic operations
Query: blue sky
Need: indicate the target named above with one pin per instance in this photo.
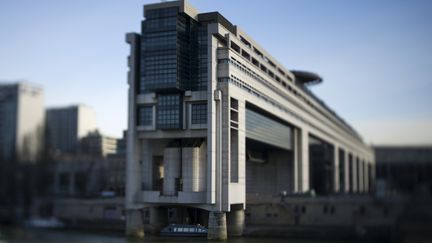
(375, 56)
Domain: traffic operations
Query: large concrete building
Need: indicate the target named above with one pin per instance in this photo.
(216, 123)
(65, 126)
(22, 119)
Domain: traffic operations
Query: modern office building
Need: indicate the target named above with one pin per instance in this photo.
(65, 126)
(22, 117)
(21, 122)
(98, 145)
(216, 123)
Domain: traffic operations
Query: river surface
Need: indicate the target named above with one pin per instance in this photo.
(69, 236)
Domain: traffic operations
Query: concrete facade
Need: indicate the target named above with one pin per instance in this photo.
(219, 165)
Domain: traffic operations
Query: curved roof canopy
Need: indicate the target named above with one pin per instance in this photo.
(306, 78)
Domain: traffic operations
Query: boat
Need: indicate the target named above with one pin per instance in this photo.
(185, 230)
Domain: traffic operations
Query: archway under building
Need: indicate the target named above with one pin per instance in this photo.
(321, 166)
(269, 156)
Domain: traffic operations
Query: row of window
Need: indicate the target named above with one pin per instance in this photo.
(168, 22)
(237, 48)
(161, 13)
(257, 77)
(169, 113)
(199, 113)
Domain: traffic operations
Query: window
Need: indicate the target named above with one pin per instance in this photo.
(235, 47)
(169, 111)
(145, 116)
(199, 114)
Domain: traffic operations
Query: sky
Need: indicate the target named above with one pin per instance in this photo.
(375, 56)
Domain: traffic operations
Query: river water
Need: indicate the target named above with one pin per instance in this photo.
(69, 236)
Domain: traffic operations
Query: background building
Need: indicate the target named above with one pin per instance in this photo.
(98, 145)
(65, 126)
(21, 146)
(21, 122)
(403, 169)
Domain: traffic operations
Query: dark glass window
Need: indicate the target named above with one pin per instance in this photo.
(169, 112)
(145, 116)
(199, 114)
(170, 58)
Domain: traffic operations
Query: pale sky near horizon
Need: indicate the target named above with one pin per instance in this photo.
(375, 56)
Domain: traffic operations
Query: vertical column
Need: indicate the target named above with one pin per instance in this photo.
(301, 157)
(347, 173)
(296, 160)
(366, 176)
(354, 174)
(360, 175)
(372, 177)
(242, 148)
(225, 147)
(235, 220)
(134, 222)
(147, 164)
(336, 184)
(217, 228)
(171, 162)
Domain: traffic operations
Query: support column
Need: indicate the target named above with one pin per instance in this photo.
(354, 175)
(217, 228)
(372, 176)
(347, 178)
(336, 184)
(236, 220)
(301, 160)
(360, 175)
(171, 162)
(134, 219)
(134, 223)
(366, 176)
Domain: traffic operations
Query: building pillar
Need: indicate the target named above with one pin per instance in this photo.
(301, 160)
(366, 176)
(347, 178)
(217, 228)
(134, 219)
(171, 162)
(372, 177)
(336, 161)
(134, 223)
(354, 174)
(236, 220)
(360, 175)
